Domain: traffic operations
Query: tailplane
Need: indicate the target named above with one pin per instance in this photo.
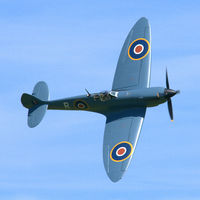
(36, 103)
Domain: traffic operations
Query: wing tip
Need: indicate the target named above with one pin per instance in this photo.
(114, 178)
(143, 20)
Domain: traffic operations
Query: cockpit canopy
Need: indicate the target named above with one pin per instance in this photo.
(105, 95)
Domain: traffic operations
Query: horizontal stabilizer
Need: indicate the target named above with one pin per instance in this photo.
(36, 103)
(35, 115)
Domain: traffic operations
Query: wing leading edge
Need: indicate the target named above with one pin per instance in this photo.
(120, 138)
(133, 67)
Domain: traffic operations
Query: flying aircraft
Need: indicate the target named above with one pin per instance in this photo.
(124, 106)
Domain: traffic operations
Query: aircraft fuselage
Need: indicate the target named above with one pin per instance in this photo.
(114, 100)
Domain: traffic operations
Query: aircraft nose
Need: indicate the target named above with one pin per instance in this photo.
(170, 92)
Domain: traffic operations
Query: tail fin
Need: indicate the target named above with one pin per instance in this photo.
(36, 103)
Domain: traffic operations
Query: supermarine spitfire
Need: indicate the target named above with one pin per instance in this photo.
(124, 106)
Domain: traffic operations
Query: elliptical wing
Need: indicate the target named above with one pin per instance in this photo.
(133, 67)
(120, 138)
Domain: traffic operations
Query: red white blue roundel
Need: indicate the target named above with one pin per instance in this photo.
(121, 151)
(138, 49)
(81, 105)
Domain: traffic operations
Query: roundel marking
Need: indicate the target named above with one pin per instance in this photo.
(80, 104)
(121, 151)
(138, 49)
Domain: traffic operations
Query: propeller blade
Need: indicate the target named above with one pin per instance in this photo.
(167, 81)
(170, 109)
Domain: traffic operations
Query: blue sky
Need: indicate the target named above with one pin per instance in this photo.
(73, 45)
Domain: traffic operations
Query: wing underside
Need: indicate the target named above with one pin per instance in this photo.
(133, 67)
(120, 138)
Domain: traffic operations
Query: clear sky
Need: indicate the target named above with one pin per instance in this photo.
(73, 45)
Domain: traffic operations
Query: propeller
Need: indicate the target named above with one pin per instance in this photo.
(170, 109)
(170, 93)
